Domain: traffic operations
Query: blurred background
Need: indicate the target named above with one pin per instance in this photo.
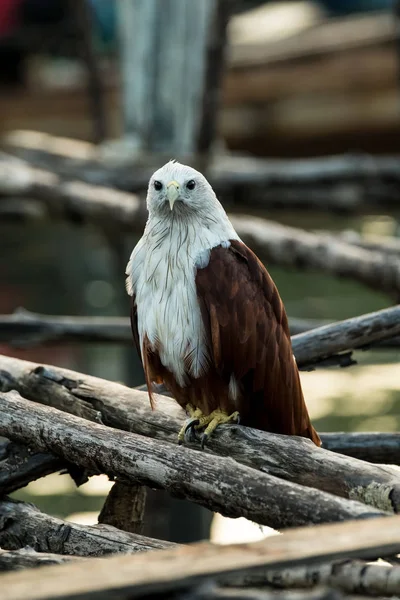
(297, 79)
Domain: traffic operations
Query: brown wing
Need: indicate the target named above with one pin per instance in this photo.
(149, 375)
(249, 337)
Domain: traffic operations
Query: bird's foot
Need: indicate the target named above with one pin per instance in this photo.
(210, 422)
(217, 417)
(195, 416)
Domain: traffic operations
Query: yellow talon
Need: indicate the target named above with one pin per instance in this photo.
(195, 414)
(217, 417)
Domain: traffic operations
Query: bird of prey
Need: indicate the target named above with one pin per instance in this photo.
(207, 319)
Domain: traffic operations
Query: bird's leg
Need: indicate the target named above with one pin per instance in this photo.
(211, 422)
(195, 416)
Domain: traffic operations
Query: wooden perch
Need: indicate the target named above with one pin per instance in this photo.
(167, 570)
(217, 483)
(23, 525)
(377, 330)
(289, 457)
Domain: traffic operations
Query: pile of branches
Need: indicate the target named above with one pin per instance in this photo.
(55, 420)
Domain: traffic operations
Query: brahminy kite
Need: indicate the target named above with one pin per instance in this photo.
(207, 318)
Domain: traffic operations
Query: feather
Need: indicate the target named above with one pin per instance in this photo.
(251, 341)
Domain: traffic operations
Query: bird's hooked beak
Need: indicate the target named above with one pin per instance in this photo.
(172, 193)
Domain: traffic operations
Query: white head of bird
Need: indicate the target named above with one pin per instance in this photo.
(178, 192)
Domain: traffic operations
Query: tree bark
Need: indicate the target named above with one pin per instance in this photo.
(292, 247)
(293, 458)
(23, 525)
(124, 507)
(217, 483)
(27, 558)
(20, 465)
(169, 570)
(383, 448)
(352, 576)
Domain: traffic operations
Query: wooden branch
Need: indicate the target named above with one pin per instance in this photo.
(377, 330)
(346, 182)
(210, 591)
(217, 483)
(124, 507)
(27, 558)
(346, 335)
(381, 448)
(341, 574)
(289, 457)
(73, 201)
(376, 243)
(23, 524)
(293, 247)
(167, 570)
(19, 466)
(348, 575)
(84, 203)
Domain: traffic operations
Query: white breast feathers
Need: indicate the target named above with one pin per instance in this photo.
(161, 273)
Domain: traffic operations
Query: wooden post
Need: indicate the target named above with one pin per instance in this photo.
(163, 62)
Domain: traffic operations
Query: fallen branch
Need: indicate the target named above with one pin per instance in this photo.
(167, 570)
(217, 483)
(376, 243)
(292, 247)
(353, 576)
(346, 335)
(295, 459)
(27, 558)
(23, 524)
(345, 182)
(323, 346)
(108, 208)
(19, 466)
(73, 201)
(381, 448)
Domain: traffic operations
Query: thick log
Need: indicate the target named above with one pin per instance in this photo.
(352, 576)
(23, 525)
(24, 328)
(342, 574)
(168, 570)
(27, 558)
(347, 182)
(210, 591)
(381, 448)
(289, 457)
(73, 201)
(279, 244)
(217, 483)
(346, 335)
(20, 465)
(81, 202)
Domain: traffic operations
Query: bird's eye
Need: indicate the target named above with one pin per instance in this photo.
(157, 185)
(191, 184)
